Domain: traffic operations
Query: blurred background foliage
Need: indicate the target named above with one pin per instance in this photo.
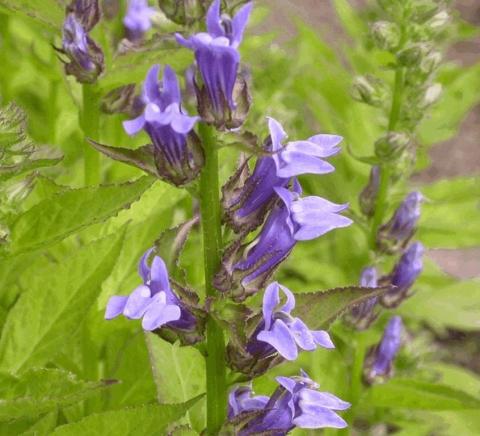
(67, 248)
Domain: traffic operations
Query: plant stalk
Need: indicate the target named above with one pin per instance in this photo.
(212, 245)
(90, 124)
(385, 169)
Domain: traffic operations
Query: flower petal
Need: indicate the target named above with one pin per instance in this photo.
(280, 338)
(143, 268)
(159, 313)
(132, 127)
(324, 399)
(115, 306)
(151, 91)
(213, 20)
(322, 338)
(271, 299)
(277, 134)
(303, 336)
(319, 417)
(159, 280)
(137, 302)
(171, 89)
(239, 23)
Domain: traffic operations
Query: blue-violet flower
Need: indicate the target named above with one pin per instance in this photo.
(280, 332)
(292, 219)
(404, 275)
(85, 57)
(247, 205)
(380, 359)
(137, 20)
(154, 301)
(217, 56)
(178, 155)
(401, 226)
(295, 403)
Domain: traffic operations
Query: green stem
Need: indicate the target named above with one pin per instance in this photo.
(385, 170)
(90, 123)
(212, 244)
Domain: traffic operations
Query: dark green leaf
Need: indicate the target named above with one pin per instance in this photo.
(319, 309)
(56, 218)
(152, 420)
(42, 390)
(53, 307)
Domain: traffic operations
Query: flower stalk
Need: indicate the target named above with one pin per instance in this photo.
(212, 244)
(90, 124)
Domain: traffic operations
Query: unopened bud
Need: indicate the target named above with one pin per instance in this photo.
(431, 62)
(439, 20)
(369, 90)
(432, 94)
(385, 34)
(391, 145)
(413, 55)
(368, 197)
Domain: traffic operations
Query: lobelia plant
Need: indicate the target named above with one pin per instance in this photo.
(184, 282)
(270, 199)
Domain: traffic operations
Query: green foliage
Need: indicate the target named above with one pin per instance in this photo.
(415, 394)
(38, 391)
(52, 309)
(152, 419)
(57, 217)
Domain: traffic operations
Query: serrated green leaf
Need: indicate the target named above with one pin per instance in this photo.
(152, 419)
(319, 309)
(47, 12)
(414, 394)
(56, 218)
(53, 307)
(42, 390)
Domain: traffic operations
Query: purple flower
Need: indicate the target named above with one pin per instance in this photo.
(292, 219)
(217, 55)
(177, 157)
(246, 206)
(137, 20)
(295, 403)
(280, 332)
(404, 275)
(86, 58)
(240, 400)
(154, 301)
(379, 362)
(363, 314)
(402, 225)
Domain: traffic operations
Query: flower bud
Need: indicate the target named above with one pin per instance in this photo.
(378, 364)
(398, 231)
(432, 94)
(385, 34)
(369, 90)
(404, 275)
(85, 57)
(368, 197)
(413, 55)
(391, 146)
(439, 20)
(430, 62)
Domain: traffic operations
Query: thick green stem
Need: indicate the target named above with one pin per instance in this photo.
(90, 123)
(385, 170)
(212, 244)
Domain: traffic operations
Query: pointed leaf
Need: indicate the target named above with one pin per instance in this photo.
(141, 157)
(52, 309)
(319, 309)
(152, 419)
(42, 390)
(55, 218)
